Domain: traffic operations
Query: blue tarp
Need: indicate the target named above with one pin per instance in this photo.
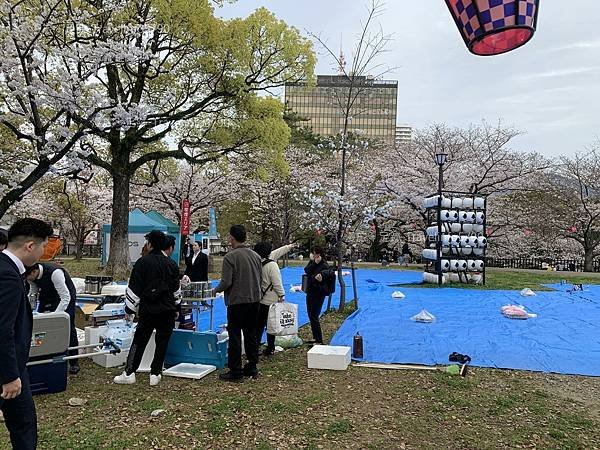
(563, 338)
(293, 276)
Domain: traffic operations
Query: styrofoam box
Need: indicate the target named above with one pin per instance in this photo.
(187, 370)
(110, 360)
(329, 357)
(92, 336)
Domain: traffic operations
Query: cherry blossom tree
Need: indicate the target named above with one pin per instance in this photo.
(480, 161)
(44, 87)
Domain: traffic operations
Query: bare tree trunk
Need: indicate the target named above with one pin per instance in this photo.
(339, 259)
(78, 250)
(118, 263)
(588, 261)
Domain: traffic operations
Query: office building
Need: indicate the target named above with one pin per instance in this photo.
(373, 113)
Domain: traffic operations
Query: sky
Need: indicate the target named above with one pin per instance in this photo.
(548, 89)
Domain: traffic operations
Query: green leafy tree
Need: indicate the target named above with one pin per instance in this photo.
(192, 80)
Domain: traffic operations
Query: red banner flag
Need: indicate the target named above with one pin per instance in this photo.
(185, 217)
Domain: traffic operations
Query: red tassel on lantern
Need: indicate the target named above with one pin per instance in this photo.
(492, 27)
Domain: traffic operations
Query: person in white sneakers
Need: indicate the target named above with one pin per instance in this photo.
(151, 291)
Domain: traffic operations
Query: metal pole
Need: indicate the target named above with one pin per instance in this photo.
(438, 263)
(353, 268)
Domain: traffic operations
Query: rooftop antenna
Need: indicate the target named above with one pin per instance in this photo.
(342, 60)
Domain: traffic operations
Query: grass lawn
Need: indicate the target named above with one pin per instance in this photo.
(293, 407)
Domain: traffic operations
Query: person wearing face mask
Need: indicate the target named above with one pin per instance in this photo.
(319, 278)
(27, 239)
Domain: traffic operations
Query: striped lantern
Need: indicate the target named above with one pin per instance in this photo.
(492, 27)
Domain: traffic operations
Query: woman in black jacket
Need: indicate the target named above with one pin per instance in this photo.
(319, 278)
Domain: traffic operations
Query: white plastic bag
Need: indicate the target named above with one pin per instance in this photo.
(283, 319)
(527, 292)
(424, 316)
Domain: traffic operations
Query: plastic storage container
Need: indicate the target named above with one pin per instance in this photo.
(196, 347)
(50, 339)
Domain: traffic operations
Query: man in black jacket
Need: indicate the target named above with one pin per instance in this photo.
(150, 294)
(27, 239)
(56, 293)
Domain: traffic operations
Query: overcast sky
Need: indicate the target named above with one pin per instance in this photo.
(549, 88)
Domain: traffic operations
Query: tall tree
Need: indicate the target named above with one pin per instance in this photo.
(566, 205)
(192, 79)
(368, 49)
(43, 86)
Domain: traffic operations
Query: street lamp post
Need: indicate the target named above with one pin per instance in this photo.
(440, 159)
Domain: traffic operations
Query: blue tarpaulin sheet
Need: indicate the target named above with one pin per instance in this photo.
(563, 338)
(292, 276)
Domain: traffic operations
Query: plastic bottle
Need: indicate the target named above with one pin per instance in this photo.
(357, 346)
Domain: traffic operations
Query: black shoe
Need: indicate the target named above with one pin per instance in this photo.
(74, 370)
(268, 352)
(251, 372)
(232, 377)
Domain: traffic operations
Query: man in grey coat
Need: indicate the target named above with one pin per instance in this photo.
(240, 282)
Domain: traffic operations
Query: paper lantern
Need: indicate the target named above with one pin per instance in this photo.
(492, 27)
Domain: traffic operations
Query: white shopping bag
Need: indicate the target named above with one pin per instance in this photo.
(283, 319)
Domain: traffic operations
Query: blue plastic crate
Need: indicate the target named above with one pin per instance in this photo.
(196, 347)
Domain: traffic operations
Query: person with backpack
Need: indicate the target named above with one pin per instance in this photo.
(150, 295)
(320, 282)
(271, 292)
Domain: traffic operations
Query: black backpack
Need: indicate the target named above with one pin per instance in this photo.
(270, 286)
(331, 282)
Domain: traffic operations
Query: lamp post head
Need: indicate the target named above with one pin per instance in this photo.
(440, 158)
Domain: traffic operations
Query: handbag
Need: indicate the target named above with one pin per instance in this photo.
(283, 319)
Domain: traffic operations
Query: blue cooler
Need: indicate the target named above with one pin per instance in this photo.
(196, 347)
(49, 340)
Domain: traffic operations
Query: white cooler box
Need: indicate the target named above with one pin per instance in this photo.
(329, 357)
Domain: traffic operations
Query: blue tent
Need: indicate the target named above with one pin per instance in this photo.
(139, 225)
(172, 228)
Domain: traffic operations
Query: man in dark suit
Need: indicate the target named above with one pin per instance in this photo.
(27, 239)
(198, 269)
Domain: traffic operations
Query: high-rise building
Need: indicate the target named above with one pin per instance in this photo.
(403, 134)
(373, 113)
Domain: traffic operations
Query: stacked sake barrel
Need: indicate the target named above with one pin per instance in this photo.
(462, 232)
